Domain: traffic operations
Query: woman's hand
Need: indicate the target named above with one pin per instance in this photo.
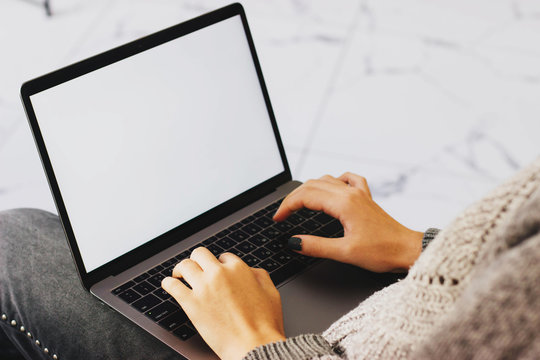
(372, 239)
(234, 307)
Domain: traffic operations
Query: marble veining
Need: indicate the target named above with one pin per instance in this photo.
(434, 103)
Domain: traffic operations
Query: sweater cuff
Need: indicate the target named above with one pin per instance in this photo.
(428, 236)
(295, 348)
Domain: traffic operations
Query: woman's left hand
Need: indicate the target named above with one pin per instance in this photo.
(234, 307)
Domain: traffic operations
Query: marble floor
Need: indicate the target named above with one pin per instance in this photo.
(435, 103)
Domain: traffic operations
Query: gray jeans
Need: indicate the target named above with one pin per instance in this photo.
(48, 314)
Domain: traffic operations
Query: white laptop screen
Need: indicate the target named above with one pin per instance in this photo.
(145, 144)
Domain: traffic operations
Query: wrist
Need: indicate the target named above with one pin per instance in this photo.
(253, 341)
(411, 248)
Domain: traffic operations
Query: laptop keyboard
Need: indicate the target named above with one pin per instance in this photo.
(257, 240)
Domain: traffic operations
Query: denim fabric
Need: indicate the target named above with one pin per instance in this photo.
(40, 290)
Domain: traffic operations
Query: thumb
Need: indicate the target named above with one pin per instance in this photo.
(316, 246)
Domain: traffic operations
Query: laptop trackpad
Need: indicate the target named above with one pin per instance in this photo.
(315, 299)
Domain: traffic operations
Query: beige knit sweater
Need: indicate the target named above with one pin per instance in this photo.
(473, 293)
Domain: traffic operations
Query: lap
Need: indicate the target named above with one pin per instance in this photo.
(41, 291)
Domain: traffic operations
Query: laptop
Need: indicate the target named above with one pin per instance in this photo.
(169, 143)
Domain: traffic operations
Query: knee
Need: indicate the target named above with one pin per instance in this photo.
(14, 217)
(19, 223)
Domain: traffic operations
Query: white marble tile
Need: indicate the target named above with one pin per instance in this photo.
(434, 102)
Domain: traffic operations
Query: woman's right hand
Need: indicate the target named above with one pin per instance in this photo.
(372, 239)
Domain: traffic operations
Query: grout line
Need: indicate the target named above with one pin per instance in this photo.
(327, 93)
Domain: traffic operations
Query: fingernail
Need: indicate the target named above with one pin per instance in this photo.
(295, 243)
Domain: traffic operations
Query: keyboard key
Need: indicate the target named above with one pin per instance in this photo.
(141, 277)
(162, 294)
(214, 249)
(169, 262)
(210, 240)
(182, 256)
(284, 237)
(307, 213)
(155, 270)
(175, 320)
(310, 225)
(168, 271)
(146, 303)
(259, 240)
(295, 219)
(248, 220)
(123, 287)
(238, 236)
(275, 246)
(193, 248)
(319, 232)
(260, 213)
(298, 230)
(286, 271)
(271, 233)
(161, 311)
(234, 227)
(222, 233)
(184, 332)
(250, 260)
(323, 218)
(236, 252)
(245, 247)
(251, 229)
(226, 243)
(282, 257)
(283, 226)
(156, 280)
(262, 253)
(143, 288)
(264, 222)
(273, 206)
(129, 296)
(332, 228)
(269, 265)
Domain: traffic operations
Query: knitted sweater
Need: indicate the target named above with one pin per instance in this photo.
(473, 293)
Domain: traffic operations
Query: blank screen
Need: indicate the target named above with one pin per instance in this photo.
(145, 144)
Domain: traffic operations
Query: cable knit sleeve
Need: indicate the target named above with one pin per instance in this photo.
(296, 348)
(428, 236)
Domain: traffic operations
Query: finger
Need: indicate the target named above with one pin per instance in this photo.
(356, 181)
(295, 201)
(175, 288)
(232, 261)
(263, 277)
(280, 211)
(204, 258)
(189, 270)
(316, 196)
(227, 258)
(331, 179)
(316, 246)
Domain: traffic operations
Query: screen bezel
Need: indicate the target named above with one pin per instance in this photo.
(153, 246)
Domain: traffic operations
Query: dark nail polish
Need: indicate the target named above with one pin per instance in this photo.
(295, 243)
